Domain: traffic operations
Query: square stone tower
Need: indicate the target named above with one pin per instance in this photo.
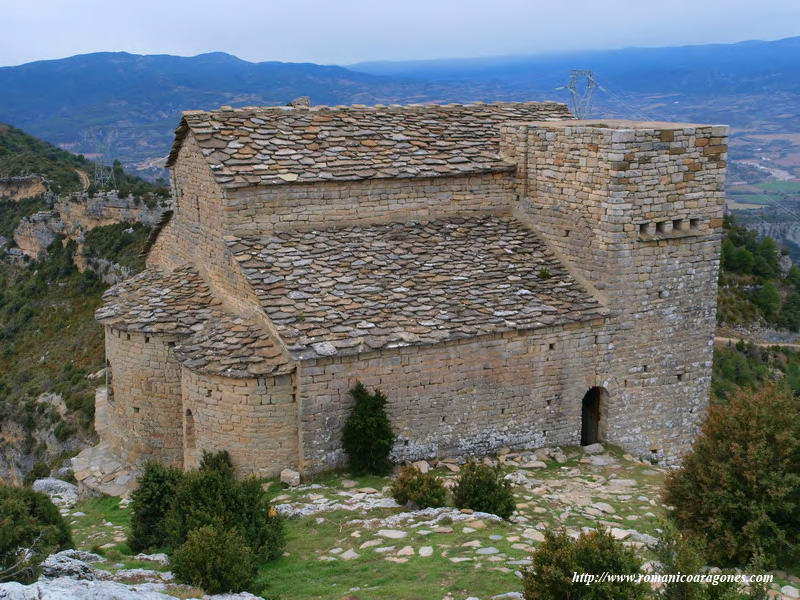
(635, 211)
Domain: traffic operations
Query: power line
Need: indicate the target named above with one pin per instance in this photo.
(581, 97)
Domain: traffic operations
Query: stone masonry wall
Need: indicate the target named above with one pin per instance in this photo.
(289, 207)
(144, 411)
(168, 252)
(636, 209)
(465, 397)
(253, 419)
(196, 234)
(633, 209)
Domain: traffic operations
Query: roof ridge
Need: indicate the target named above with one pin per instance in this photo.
(379, 106)
(273, 145)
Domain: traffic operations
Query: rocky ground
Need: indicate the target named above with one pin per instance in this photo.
(349, 539)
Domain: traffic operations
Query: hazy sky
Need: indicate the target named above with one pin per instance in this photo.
(345, 31)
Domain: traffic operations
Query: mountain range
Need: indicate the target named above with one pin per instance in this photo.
(117, 105)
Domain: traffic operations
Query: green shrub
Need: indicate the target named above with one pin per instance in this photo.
(215, 498)
(554, 562)
(31, 528)
(367, 436)
(217, 461)
(737, 490)
(483, 488)
(424, 490)
(215, 560)
(676, 552)
(150, 503)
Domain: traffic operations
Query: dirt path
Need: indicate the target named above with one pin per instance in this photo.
(726, 340)
(85, 181)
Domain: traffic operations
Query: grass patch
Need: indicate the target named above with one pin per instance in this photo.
(103, 520)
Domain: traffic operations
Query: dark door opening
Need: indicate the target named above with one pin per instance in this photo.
(590, 417)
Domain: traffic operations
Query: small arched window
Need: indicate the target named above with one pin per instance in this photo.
(188, 433)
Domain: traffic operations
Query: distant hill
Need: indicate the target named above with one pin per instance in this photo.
(125, 106)
(721, 69)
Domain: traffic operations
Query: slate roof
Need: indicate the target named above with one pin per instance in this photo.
(274, 145)
(180, 303)
(156, 301)
(349, 290)
(233, 347)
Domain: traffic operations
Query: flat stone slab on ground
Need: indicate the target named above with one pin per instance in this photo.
(593, 449)
(392, 534)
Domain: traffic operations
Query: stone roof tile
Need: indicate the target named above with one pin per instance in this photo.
(232, 347)
(276, 145)
(156, 301)
(180, 304)
(353, 289)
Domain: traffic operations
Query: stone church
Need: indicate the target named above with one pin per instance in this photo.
(505, 274)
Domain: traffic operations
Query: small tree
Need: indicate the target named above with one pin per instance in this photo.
(424, 490)
(215, 498)
(150, 502)
(215, 560)
(559, 557)
(483, 488)
(31, 528)
(367, 436)
(739, 488)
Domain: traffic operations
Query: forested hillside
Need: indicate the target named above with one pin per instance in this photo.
(758, 283)
(22, 154)
(49, 340)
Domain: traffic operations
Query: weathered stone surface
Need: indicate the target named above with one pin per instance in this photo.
(71, 589)
(600, 460)
(422, 466)
(65, 588)
(62, 493)
(274, 145)
(428, 282)
(290, 477)
(159, 559)
(98, 469)
(392, 534)
(70, 563)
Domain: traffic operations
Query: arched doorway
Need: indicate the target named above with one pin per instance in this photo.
(592, 410)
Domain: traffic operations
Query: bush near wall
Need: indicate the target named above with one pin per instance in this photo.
(367, 436)
(193, 514)
(150, 502)
(738, 488)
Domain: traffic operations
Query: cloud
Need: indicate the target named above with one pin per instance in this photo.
(346, 31)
